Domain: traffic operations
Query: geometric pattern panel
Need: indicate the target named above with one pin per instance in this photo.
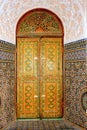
(76, 55)
(39, 20)
(39, 77)
(7, 51)
(27, 78)
(7, 83)
(6, 55)
(51, 77)
(75, 80)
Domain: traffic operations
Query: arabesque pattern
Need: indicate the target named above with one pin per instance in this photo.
(27, 80)
(39, 65)
(51, 81)
(39, 21)
(39, 77)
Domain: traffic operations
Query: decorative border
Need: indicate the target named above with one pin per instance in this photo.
(7, 51)
(79, 44)
(6, 45)
(75, 51)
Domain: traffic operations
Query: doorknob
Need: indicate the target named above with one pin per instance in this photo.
(35, 58)
(43, 96)
(35, 96)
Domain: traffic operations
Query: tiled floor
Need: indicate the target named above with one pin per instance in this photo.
(41, 125)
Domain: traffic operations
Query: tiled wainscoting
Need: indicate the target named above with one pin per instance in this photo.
(75, 82)
(7, 83)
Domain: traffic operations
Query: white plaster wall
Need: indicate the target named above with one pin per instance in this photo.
(71, 12)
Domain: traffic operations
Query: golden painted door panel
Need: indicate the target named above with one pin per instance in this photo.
(39, 77)
(51, 78)
(27, 79)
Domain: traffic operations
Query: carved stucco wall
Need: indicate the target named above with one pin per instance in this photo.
(71, 12)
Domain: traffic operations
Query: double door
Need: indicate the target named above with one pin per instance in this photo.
(39, 77)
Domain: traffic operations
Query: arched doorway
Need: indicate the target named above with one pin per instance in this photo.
(39, 38)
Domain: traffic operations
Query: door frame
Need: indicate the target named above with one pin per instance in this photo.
(42, 35)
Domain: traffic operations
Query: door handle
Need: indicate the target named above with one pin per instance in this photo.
(35, 96)
(43, 96)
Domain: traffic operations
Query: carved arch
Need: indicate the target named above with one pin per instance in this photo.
(39, 21)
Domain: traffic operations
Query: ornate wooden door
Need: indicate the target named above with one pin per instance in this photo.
(51, 78)
(27, 78)
(39, 77)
